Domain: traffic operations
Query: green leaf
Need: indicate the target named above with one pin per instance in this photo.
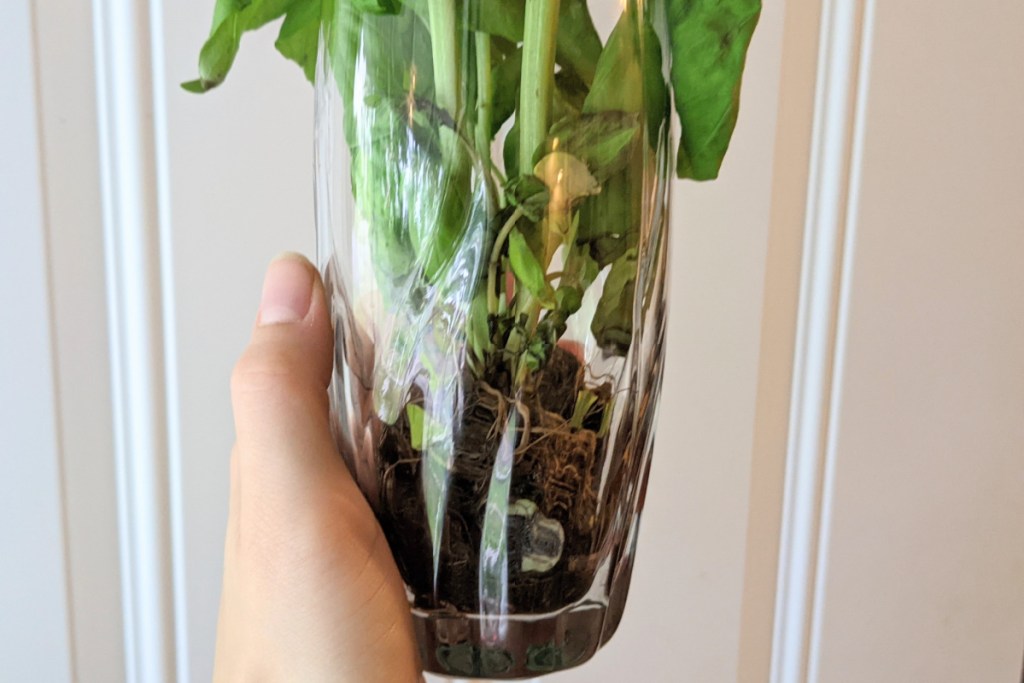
(628, 80)
(709, 41)
(394, 58)
(379, 185)
(505, 76)
(569, 299)
(613, 319)
(618, 81)
(656, 94)
(578, 44)
(419, 203)
(569, 96)
(604, 141)
(300, 35)
(528, 270)
(478, 326)
(232, 18)
(629, 76)
(585, 400)
(377, 6)
(415, 415)
(530, 194)
(217, 55)
(510, 150)
(503, 18)
(223, 8)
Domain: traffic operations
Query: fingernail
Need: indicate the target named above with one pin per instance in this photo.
(287, 291)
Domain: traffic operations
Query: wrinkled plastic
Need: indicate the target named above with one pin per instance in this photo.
(499, 315)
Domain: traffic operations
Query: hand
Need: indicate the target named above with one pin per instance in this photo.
(311, 592)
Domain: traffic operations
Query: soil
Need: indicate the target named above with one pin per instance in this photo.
(556, 469)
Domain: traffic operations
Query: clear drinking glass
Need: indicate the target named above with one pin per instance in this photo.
(491, 183)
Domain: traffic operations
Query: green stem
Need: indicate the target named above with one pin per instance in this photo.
(492, 266)
(538, 77)
(537, 83)
(444, 46)
(485, 96)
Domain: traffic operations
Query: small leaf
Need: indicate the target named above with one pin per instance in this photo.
(613, 319)
(218, 54)
(529, 193)
(569, 300)
(578, 43)
(567, 177)
(195, 86)
(618, 82)
(416, 417)
(510, 150)
(569, 95)
(585, 400)
(603, 140)
(377, 6)
(478, 326)
(528, 270)
(503, 18)
(300, 35)
(505, 76)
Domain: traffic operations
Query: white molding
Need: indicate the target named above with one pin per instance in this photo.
(171, 372)
(841, 334)
(828, 233)
(133, 154)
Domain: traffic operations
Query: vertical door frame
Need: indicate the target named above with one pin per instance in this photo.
(130, 88)
(824, 90)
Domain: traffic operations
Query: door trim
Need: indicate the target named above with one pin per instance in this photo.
(133, 164)
(829, 230)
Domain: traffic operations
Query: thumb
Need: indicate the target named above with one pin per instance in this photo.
(279, 385)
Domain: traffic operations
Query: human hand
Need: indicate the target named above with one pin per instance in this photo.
(310, 590)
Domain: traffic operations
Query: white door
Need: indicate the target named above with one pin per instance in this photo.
(903, 534)
(838, 485)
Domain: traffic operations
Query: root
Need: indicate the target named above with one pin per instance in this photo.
(500, 403)
(524, 440)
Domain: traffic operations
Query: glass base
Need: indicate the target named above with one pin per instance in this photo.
(509, 647)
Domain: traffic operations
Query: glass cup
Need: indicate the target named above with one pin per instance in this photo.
(491, 192)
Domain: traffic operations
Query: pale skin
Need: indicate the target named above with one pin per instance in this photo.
(310, 591)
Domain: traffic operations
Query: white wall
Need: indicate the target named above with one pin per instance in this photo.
(35, 639)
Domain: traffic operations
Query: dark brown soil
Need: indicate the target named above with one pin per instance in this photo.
(556, 468)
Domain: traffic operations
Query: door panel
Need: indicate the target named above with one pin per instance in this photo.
(35, 632)
(923, 538)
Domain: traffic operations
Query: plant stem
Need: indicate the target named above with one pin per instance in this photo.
(492, 266)
(485, 96)
(538, 77)
(540, 31)
(444, 46)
